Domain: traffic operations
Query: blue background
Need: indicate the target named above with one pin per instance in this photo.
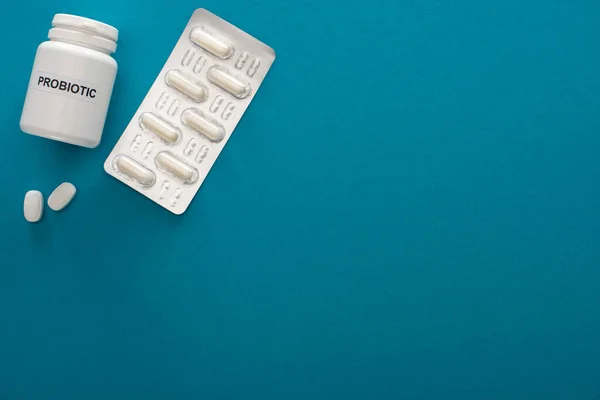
(408, 210)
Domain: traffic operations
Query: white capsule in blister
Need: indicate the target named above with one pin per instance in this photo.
(199, 122)
(176, 167)
(214, 44)
(203, 90)
(161, 128)
(187, 86)
(233, 85)
(134, 170)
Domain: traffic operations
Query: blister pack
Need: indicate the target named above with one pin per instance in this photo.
(192, 108)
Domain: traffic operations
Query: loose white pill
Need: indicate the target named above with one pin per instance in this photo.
(33, 206)
(61, 196)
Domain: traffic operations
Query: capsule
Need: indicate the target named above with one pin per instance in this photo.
(131, 168)
(160, 127)
(186, 86)
(199, 122)
(222, 78)
(215, 45)
(176, 167)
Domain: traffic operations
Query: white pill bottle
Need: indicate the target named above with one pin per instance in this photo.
(71, 82)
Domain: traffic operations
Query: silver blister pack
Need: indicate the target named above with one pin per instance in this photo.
(192, 108)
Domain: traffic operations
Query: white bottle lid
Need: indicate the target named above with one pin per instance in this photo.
(83, 30)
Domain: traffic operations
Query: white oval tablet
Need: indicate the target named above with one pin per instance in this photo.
(33, 206)
(61, 196)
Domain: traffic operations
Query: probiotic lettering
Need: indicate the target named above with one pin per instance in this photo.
(64, 86)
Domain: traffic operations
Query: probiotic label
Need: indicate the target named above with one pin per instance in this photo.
(65, 86)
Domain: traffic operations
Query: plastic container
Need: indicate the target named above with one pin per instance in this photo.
(71, 82)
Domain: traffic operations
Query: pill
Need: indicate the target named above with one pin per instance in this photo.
(215, 45)
(61, 196)
(176, 167)
(33, 206)
(208, 127)
(222, 78)
(161, 128)
(127, 166)
(185, 120)
(187, 86)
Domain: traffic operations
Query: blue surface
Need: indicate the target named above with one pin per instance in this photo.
(408, 210)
